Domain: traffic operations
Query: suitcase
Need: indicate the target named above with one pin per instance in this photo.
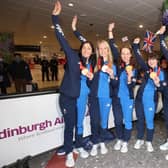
(31, 87)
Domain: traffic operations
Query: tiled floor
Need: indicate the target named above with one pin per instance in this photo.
(115, 159)
(42, 160)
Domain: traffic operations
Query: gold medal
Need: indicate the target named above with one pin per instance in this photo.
(153, 75)
(128, 68)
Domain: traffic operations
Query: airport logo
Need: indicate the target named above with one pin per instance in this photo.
(36, 127)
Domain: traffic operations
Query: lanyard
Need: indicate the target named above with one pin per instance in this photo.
(158, 71)
(99, 63)
(83, 67)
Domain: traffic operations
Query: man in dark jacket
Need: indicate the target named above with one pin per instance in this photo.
(44, 68)
(20, 73)
(4, 78)
(54, 67)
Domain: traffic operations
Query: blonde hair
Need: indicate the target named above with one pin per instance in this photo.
(109, 56)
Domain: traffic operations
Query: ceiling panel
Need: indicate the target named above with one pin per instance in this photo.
(31, 19)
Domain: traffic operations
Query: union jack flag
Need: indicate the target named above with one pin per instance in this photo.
(149, 41)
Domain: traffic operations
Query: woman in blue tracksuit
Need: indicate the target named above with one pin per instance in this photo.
(123, 98)
(70, 86)
(164, 49)
(88, 63)
(146, 99)
(99, 97)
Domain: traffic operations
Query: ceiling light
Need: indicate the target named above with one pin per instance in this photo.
(70, 4)
(140, 26)
(52, 27)
(44, 37)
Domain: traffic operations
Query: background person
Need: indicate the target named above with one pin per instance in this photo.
(20, 73)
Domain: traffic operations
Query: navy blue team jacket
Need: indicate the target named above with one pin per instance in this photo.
(164, 49)
(70, 85)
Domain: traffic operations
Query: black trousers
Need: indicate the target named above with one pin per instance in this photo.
(3, 90)
(118, 117)
(165, 107)
(69, 111)
(94, 119)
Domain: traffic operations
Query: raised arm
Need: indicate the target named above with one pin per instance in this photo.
(163, 45)
(113, 46)
(79, 36)
(138, 55)
(111, 26)
(58, 30)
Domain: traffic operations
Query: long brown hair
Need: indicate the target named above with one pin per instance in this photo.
(132, 59)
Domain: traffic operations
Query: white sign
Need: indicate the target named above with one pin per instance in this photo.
(34, 124)
(29, 126)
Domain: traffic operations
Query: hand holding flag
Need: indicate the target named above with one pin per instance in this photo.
(149, 40)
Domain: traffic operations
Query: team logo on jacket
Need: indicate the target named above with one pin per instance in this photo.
(130, 106)
(79, 63)
(133, 79)
(58, 27)
(163, 44)
(164, 83)
(138, 51)
(81, 38)
(150, 109)
(108, 105)
(64, 111)
(115, 45)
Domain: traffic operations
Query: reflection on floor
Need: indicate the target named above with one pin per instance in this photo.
(37, 78)
(114, 159)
